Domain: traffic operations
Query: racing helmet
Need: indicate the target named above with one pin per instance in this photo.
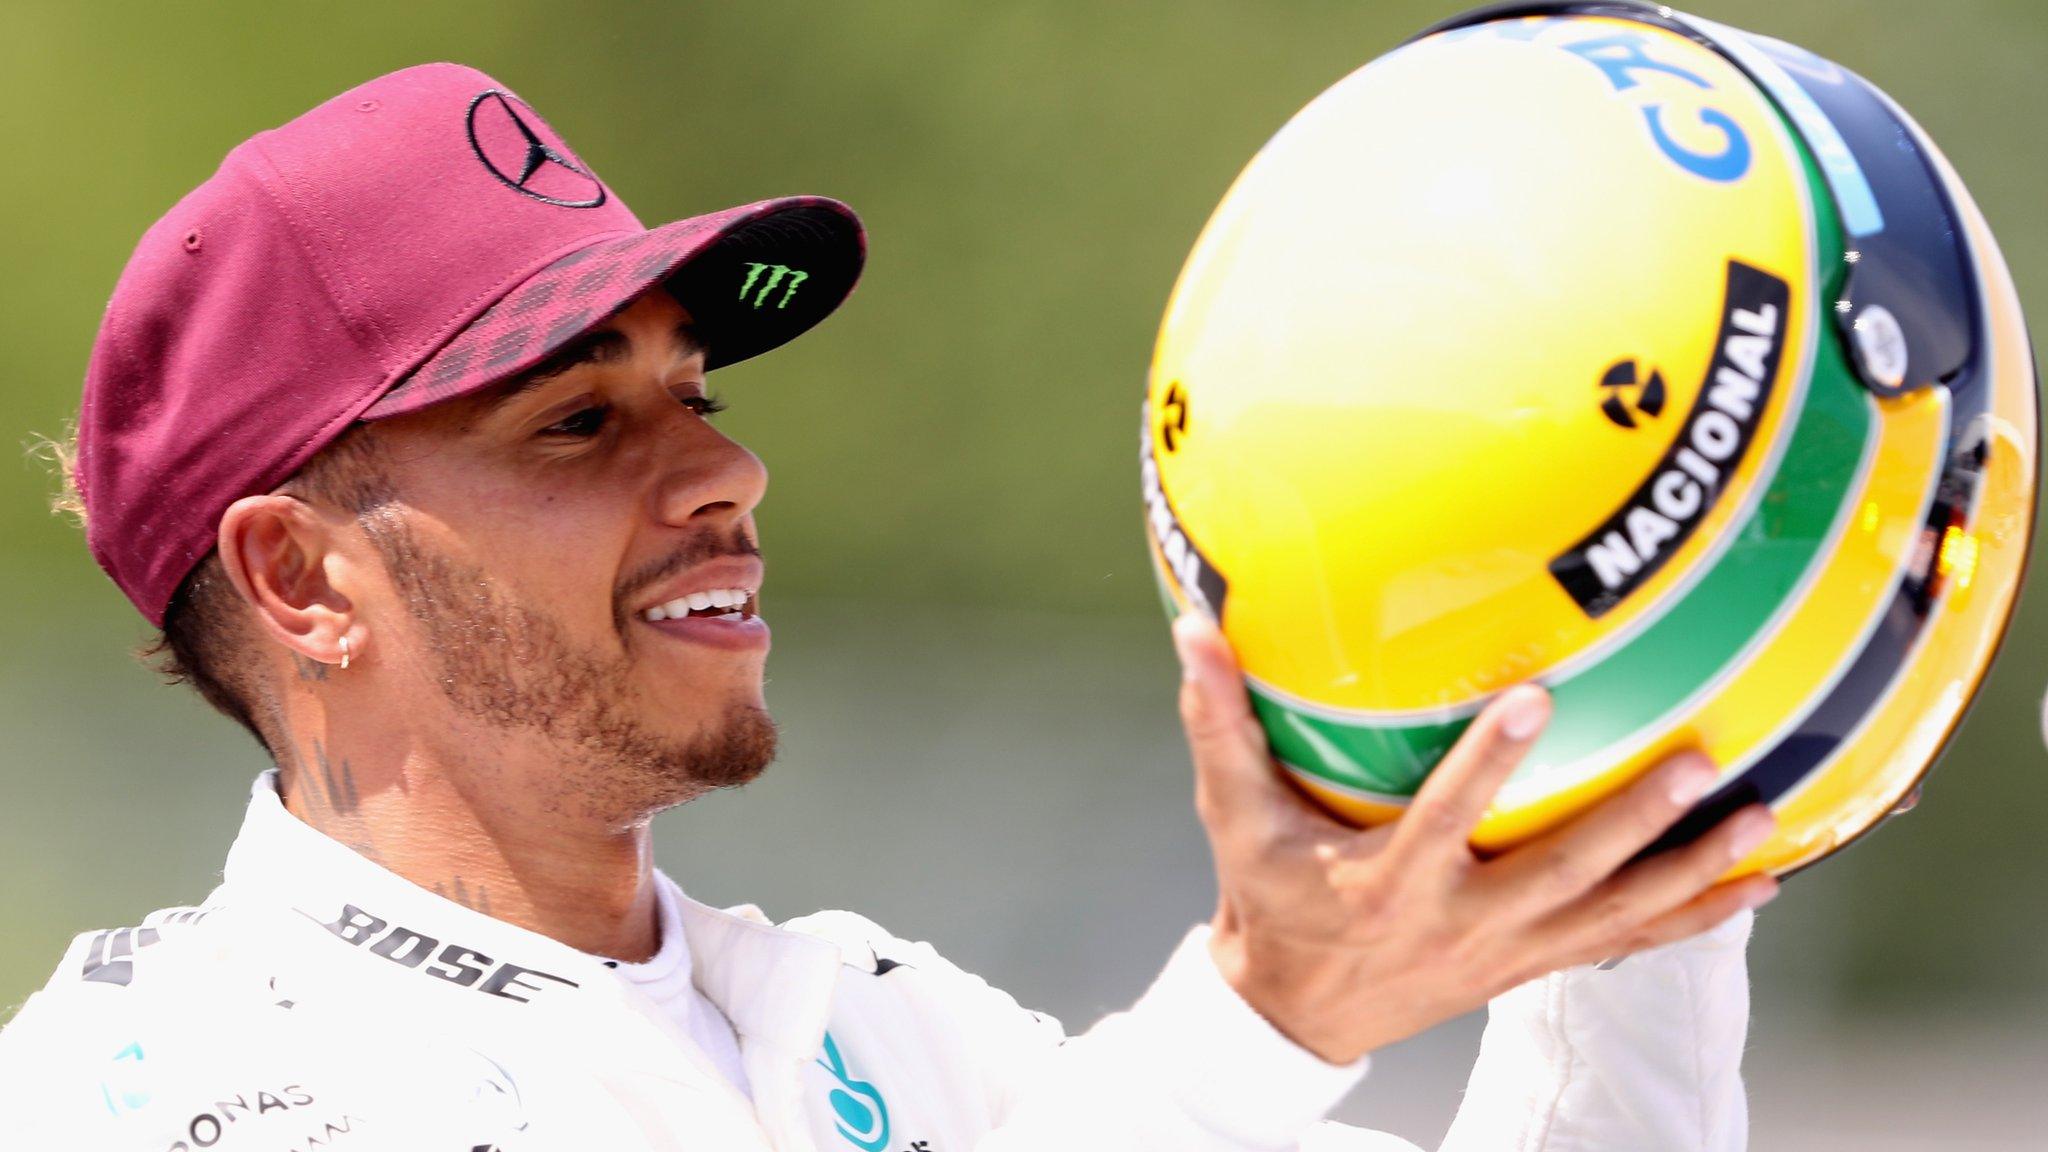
(1665, 365)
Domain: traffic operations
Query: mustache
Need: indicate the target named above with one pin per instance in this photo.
(694, 551)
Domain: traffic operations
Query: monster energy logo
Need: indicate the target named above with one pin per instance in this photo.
(777, 275)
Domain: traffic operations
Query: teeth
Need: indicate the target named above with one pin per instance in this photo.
(738, 599)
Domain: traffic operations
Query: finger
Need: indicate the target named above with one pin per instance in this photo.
(1704, 912)
(1236, 782)
(1652, 888)
(1567, 862)
(1463, 783)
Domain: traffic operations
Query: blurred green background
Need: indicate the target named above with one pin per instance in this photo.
(953, 529)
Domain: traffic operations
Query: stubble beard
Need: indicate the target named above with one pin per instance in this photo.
(513, 667)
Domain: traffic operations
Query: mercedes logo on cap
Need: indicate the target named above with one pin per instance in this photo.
(515, 152)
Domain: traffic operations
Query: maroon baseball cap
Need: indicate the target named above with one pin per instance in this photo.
(408, 242)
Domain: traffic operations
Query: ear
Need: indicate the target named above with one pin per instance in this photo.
(277, 551)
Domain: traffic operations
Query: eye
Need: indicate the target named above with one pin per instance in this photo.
(704, 405)
(581, 424)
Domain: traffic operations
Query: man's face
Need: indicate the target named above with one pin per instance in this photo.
(549, 554)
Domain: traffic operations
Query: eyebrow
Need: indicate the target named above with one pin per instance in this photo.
(598, 346)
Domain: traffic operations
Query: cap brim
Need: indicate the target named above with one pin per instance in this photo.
(753, 277)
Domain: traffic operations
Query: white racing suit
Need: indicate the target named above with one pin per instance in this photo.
(316, 1001)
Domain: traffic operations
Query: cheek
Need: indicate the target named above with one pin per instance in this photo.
(554, 550)
(562, 559)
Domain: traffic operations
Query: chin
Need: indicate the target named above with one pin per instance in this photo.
(724, 753)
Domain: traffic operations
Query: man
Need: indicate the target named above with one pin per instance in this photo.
(398, 427)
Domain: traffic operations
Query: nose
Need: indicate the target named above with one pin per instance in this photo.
(707, 479)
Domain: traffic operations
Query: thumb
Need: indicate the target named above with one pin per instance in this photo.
(1212, 694)
(1235, 778)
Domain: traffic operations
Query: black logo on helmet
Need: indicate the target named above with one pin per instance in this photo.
(1174, 423)
(1186, 565)
(1623, 395)
(1623, 552)
(513, 149)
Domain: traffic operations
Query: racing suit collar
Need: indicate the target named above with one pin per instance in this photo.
(773, 984)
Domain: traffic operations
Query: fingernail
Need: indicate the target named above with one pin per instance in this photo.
(1528, 709)
(1760, 895)
(1689, 779)
(1752, 828)
(1186, 627)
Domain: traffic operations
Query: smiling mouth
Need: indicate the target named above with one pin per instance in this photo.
(711, 604)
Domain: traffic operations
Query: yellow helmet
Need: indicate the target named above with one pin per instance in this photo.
(1665, 365)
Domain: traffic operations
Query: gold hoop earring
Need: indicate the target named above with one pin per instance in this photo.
(344, 654)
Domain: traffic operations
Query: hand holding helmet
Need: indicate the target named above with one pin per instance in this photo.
(1349, 940)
